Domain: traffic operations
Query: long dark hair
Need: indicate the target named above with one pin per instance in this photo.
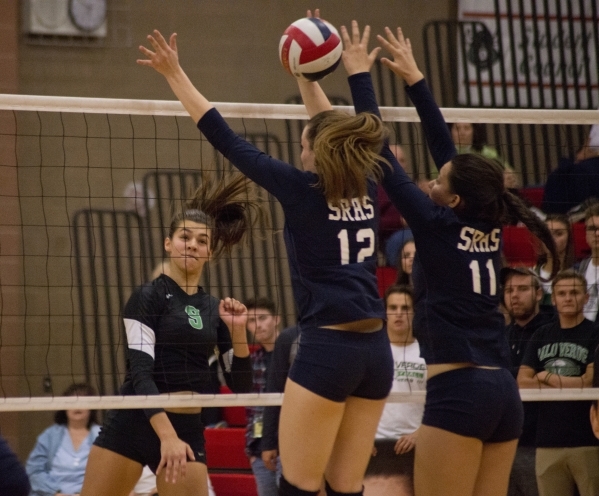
(479, 136)
(569, 257)
(227, 207)
(479, 183)
(77, 389)
(403, 278)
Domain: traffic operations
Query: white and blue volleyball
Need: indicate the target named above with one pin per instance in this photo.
(310, 49)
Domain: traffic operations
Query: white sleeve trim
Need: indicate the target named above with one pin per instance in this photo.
(140, 337)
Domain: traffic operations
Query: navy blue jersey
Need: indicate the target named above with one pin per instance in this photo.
(456, 269)
(170, 337)
(331, 250)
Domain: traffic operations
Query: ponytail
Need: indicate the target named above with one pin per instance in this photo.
(227, 207)
(516, 208)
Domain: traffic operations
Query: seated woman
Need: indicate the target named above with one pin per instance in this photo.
(561, 230)
(406, 261)
(56, 465)
(472, 138)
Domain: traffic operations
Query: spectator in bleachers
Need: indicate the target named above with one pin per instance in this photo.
(560, 355)
(561, 230)
(56, 465)
(574, 181)
(406, 262)
(395, 246)
(472, 138)
(263, 326)
(522, 293)
(589, 267)
(399, 422)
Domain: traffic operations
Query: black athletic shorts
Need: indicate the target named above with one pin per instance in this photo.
(337, 364)
(475, 402)
(129, 433)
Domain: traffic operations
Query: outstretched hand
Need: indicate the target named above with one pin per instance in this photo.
(355, 54)
(164, 58)
(403, 63)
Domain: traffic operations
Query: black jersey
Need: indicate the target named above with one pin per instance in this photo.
(456, 269)
(567, 352)
(171, 335)
(331, 250)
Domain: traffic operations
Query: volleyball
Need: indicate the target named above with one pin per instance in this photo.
(310, 49)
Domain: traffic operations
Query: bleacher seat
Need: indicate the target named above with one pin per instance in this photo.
(225, 449)
(581, 248)
(234, 484)
(233, 415)
(386, 277)
(520, 247)
(534, 194)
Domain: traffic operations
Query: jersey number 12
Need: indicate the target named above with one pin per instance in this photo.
(361, 236)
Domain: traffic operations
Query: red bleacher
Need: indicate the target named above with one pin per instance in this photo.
(234, 416)
(385, 277)
(534, 194)
(225, 449)
(520, 247)
(581, 248)
(234, 484)
(228, 465)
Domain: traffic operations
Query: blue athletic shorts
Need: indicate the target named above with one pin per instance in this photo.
(129, 433)
(337, 364)
(475, 402)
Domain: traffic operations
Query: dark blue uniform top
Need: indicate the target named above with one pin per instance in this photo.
(331, 250)
(456, 269)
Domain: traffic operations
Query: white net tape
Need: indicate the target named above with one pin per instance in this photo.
(283, 111)
(231, 400)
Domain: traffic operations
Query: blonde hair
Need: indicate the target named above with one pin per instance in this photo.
(346, 152)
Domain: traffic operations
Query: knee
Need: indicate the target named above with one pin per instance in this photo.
(288, 489)
(331, 492)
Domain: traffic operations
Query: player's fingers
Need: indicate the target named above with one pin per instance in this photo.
(152, 41)
(355, 32)
(345, 38)
(385, 43)
(400, 36)
(190, 454)
(366, 35)
(391, 37)
(387, 63)
(374, 52)
(160, 39)
(146, 51)
(173, 41)
(161, 465)
(317, 13)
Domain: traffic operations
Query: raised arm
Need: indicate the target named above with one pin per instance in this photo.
(165, 59)
(402, 191)
(313, 97)
(404, 65)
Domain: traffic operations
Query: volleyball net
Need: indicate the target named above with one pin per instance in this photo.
(87, 189)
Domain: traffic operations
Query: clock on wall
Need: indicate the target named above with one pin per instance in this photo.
(86, 18)
(87, 15)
